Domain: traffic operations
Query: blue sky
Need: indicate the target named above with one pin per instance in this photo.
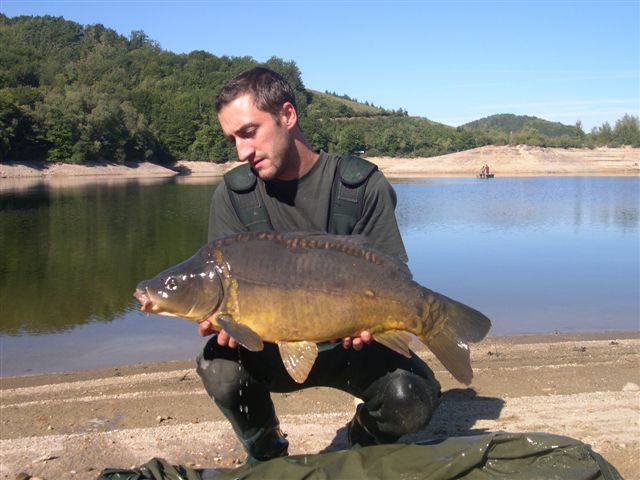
(449, 61)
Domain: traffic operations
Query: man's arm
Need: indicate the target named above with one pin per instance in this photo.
(378, 222)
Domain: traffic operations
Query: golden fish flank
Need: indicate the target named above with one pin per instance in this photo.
(297, 289)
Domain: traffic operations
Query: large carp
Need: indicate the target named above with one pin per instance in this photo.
(295, 289)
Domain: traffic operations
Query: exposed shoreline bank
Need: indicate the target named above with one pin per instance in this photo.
(504, 161)
(582, 385)
(73, 374)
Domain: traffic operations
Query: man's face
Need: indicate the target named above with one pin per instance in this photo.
(260, 138)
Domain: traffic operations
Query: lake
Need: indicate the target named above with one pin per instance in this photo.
(535, 254)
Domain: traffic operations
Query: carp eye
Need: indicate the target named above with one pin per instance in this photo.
(171, 283)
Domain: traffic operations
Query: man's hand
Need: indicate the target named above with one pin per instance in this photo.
(205, 328)
(357, 342)
(224, 340)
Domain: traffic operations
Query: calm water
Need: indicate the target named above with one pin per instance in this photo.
(534, 254)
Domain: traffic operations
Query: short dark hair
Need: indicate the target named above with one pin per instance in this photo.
(269, 90)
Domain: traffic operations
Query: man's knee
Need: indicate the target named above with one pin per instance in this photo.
(409, 401)
(221, 376)
(403, 403)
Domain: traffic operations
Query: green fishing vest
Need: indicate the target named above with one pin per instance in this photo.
(347, 196)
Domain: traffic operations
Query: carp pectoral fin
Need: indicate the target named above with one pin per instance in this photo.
(240, 333)
(298, 358)
(396, 340)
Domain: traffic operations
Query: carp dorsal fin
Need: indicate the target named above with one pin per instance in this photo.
(355, 239)
(240, 333)
(298, 358)
(396, 340)
(355, 245)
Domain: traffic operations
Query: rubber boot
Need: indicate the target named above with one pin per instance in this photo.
(268, 443)
(261, 443)
(359, 435)
(245, 402)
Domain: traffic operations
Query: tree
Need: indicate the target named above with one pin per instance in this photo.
(317, 132)
(464, 140)
(9, 120)
(579, 130)
(60, 115)
(139, 39)
(603, 135)
(627, 131)
(211, 145)
(105, 133)
(350, 140)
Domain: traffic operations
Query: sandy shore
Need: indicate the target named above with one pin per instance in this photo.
(503, 161)
(586, 386)
(518, 160)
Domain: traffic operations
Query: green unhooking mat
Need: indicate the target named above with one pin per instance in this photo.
(483, 457)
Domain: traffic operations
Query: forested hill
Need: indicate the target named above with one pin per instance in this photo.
(343, 106)
(509, 123)
(78, 93)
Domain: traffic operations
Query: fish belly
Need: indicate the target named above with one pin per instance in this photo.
(302, 314)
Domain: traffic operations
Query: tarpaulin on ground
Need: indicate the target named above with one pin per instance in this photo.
(480, 457)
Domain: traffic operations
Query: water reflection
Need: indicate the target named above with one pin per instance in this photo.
(29, 184)
(73, 256)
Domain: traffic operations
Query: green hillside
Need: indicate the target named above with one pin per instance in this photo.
(339, 123)
(524, 129)
(337, 106)
(510, 123)
(80, 93)
(85, 93)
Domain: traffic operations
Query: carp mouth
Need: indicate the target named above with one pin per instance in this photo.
(146, 305)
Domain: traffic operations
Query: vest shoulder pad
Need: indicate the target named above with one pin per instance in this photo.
(355, 170)
(240, 179)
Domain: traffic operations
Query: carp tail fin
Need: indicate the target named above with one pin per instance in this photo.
(455, 326)
(467, 323)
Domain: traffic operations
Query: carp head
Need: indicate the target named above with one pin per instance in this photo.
(191, 290)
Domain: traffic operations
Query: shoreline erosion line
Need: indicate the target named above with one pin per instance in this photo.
(503, 161)
(158, 370)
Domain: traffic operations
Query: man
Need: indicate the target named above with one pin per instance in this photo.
(288, 186)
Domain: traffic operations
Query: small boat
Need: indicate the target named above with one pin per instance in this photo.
(485, 175)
